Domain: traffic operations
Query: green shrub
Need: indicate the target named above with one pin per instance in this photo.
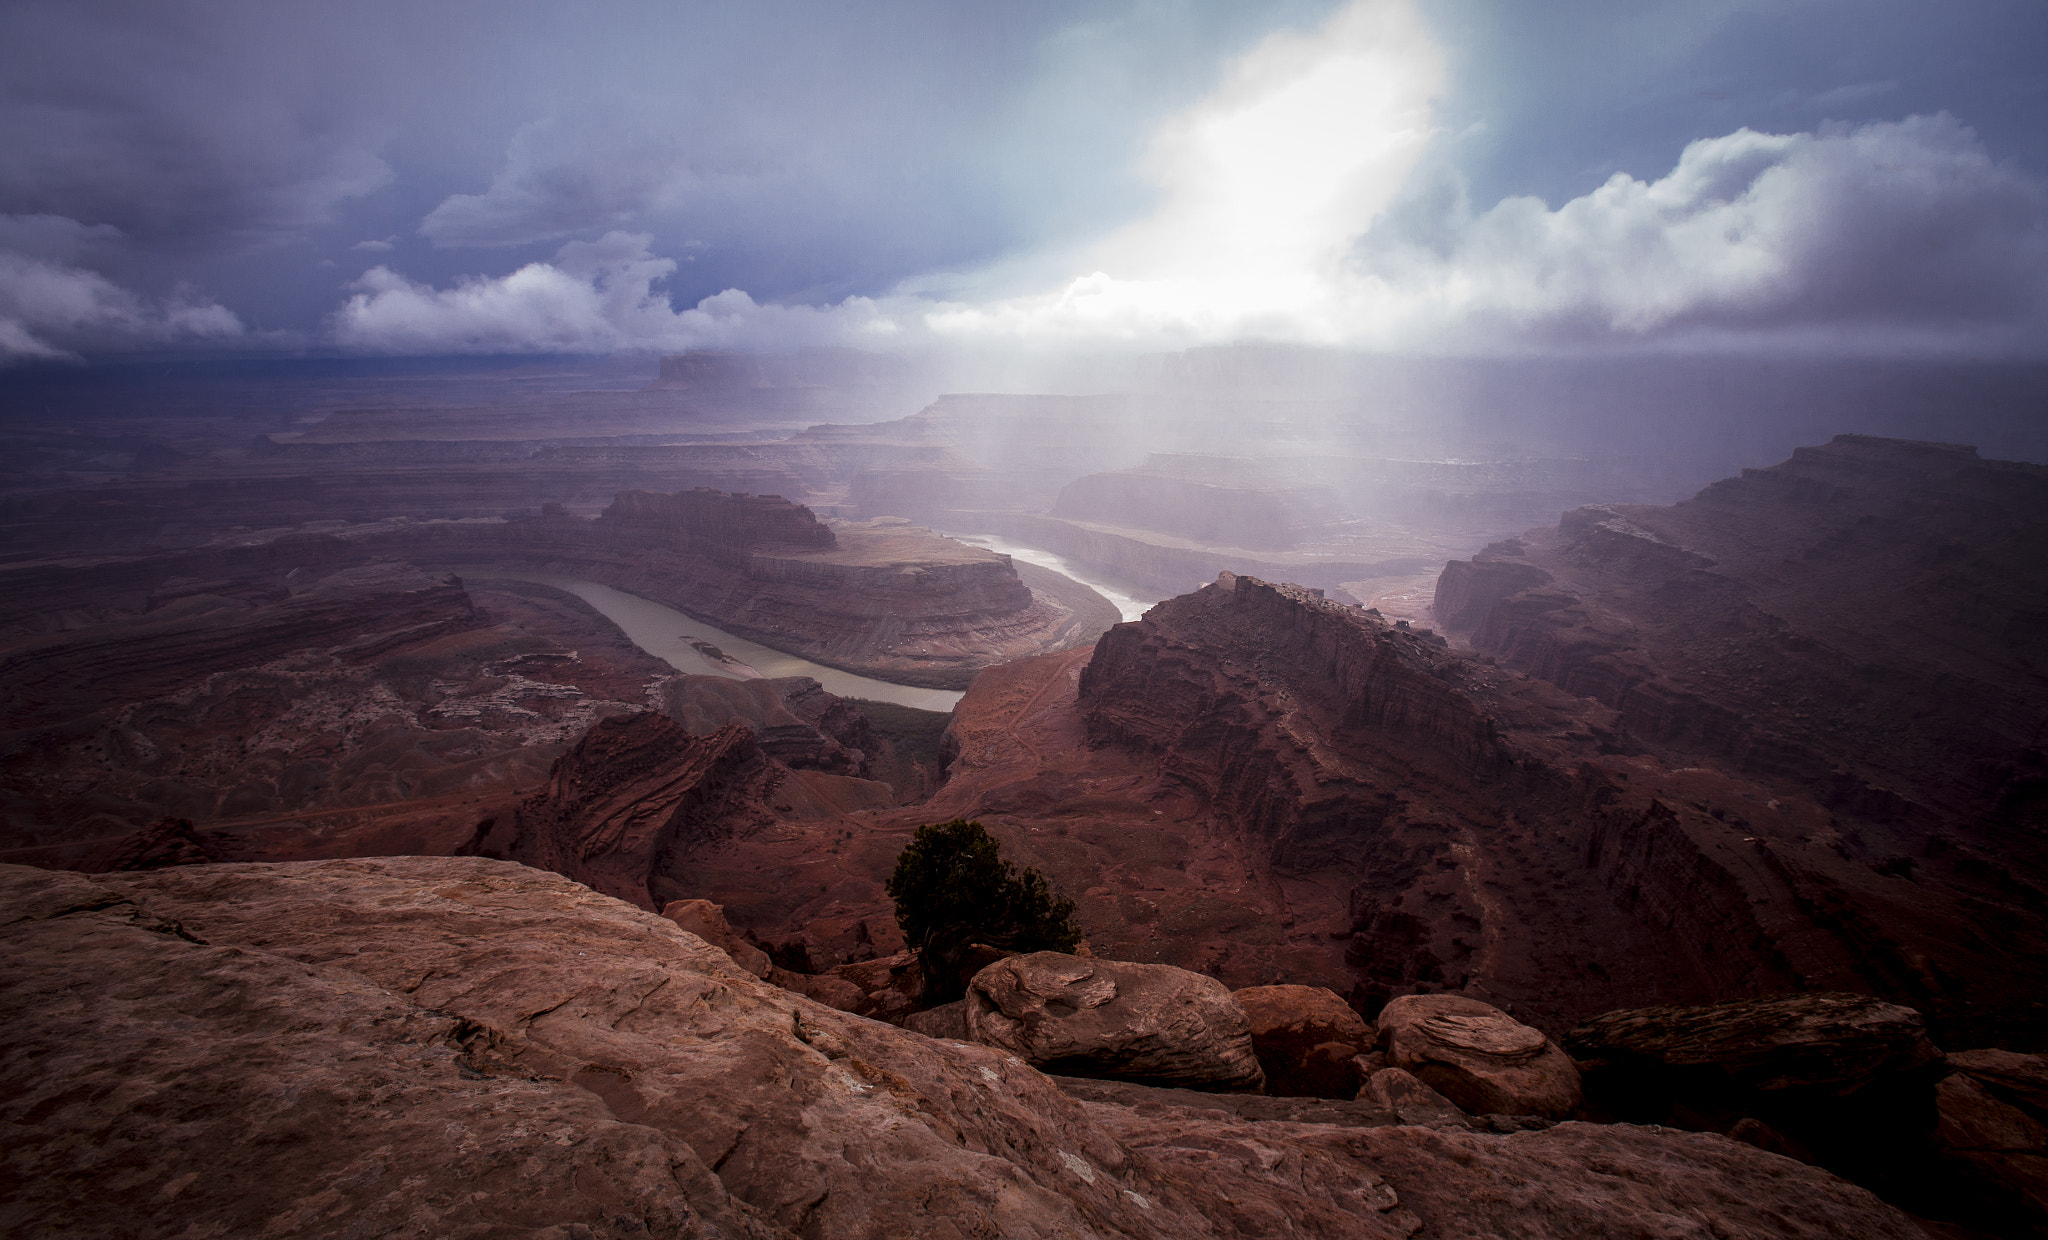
(953, 890)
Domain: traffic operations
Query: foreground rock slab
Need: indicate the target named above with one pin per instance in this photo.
(460, 1047)
(1139, 1022)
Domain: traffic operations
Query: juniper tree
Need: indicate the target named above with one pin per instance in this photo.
(953, 889)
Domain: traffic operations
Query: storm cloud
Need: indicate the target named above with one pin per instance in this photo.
(1149, 173)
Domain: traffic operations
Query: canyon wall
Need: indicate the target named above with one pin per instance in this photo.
(1498, 833)
(1863, 621)
(882, 598)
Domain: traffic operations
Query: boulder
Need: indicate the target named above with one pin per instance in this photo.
(1845, 1079)
(1400, 1092)
(2022, 1079)
(1479, 1057)
(833, 992)
(707, 921)
(1141, 1022)
(1991, 1127)
(1305, 1038)
(1970, 1118)
(948, 1020)
(1827, 1043)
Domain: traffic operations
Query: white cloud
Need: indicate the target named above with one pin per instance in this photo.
(1901, 234)
(49, 307)
(1309, 200)
(1906, 227)
(594, 297)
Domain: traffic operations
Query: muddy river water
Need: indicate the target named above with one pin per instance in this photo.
(668, 634)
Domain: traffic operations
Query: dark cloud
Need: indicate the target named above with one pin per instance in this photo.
(395, 176)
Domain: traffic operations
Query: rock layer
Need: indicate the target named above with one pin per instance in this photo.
(1859, 627)
(633, 789)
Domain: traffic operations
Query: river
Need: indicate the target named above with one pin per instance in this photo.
(1130, 607)
(667, 634)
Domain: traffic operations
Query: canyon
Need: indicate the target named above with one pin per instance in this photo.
(1393, 729)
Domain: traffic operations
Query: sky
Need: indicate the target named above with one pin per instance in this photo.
(1447, 177)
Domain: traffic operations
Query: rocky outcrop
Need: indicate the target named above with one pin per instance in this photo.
(1479, 1057)
(1991, 1131)
(1403, 1093)
(723, 526)
(1861, 623)
(1139, 687)
(792, 718)
(470, 1047)
(1306, 1038)
(707, 921)
(1844, 1080)
(1827, 1044)
(633, 790)
(1081, 1017)
(172, 841)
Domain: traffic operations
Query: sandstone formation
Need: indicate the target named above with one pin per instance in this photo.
(1403, 1093)
(1479, 1057)
(1306, 1038)
(1843, 1080)
(707, 921)
(1991, 1129)
(884, 598)
(294, 711)
(793, 719)
(1082, 1017)
(615, 805)
(638, 798)
(471, 1048)
(1806, 625)
(1823, 1043)
(172, 841)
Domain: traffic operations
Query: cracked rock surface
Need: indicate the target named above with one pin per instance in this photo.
(461, 1047)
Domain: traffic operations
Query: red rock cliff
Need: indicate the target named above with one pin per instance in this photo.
(718, 524)
(634, 787)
